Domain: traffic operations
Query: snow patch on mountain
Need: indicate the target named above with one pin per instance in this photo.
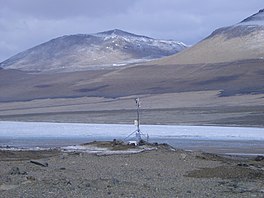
(140, 41)
(92, 51)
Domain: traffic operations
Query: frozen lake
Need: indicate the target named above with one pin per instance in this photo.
(206, 138)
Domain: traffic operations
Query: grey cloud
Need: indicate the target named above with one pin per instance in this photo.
(26, 23)
(59, 9)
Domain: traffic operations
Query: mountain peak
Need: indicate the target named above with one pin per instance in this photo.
(117, 33)
(85, 51)
(255, 19)
(114, 31)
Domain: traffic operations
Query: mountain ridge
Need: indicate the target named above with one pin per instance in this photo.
(91, 51)
(240, 41)
(255, 18)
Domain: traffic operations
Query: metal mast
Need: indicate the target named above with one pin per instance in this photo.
(138, 133)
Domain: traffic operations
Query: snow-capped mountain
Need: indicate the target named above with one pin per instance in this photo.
(86, 51)
(241, 41)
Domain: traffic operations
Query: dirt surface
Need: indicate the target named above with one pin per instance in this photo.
(158, 173)
(8, 155)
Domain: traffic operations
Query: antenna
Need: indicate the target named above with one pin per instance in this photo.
(138, 135)
(138, 132)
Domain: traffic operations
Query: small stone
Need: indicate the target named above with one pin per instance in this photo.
(31, 178)
(68, 182)
(45, 164)
(16, 171)
(115, 181)
(183, 156)
(243, 165)
(64, 155)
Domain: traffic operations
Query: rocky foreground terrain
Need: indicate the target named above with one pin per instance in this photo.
(162, 172)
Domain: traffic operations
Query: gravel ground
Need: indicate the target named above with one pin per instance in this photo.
(157, 173)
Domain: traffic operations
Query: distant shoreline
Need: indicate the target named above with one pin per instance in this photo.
(210, 116)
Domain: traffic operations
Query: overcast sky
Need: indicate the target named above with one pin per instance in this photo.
(26, 23)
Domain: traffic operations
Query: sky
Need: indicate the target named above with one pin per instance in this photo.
(27, 23)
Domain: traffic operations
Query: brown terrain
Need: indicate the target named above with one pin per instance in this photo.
(217, 48)
(223, 93)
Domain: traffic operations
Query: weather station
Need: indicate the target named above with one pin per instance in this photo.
(138, 134)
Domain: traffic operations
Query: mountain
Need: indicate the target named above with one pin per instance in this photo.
(237, 42)
(227, 90)
(88, 51)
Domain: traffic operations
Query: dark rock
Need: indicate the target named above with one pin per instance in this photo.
(68, 182)
(141, 143)
(117, 142)
(15, 171)
(259, 158)
(243, 165)
(45, 164)
(31, 178)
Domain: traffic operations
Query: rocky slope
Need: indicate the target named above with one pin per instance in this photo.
(237, 42)
(90, 51)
